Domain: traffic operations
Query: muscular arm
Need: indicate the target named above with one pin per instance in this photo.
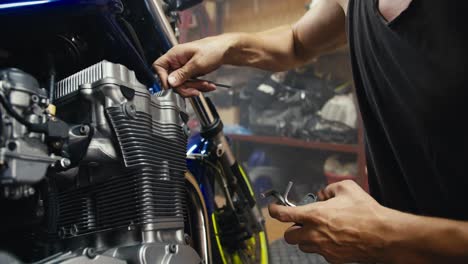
(321, 30)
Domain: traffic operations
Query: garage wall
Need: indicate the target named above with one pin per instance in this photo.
(258, 15)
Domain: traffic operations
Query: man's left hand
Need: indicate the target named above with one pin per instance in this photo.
(347, 225)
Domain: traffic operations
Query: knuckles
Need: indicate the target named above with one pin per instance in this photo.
(344, 185)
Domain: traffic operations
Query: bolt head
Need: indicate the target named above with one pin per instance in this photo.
(91, 253)
(130, 110)
(173, 248)
(65, 163)
(84, 130)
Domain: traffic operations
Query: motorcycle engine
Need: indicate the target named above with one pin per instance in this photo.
(24, 156)
(111, 188)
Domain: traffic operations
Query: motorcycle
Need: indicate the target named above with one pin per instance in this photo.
(94, 161)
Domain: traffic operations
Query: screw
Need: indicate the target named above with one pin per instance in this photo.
(219, 150)
(91, 253)
(35, 98)
(187, 239)
(173, 248)
(57, 144)
(74, 230)
(130, 110)
(84, 130)
(65, 163)
(30, 191)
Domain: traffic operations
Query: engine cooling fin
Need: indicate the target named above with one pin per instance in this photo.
(147, 131)
(152, 192)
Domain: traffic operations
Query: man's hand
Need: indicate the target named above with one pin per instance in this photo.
(347, 225)
(320, 31)
(186, 61)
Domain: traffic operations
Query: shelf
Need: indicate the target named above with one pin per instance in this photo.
(297, 143)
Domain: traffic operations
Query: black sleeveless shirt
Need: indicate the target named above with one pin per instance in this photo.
(411, 79)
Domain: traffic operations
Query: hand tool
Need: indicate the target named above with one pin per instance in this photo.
(283, 198)
(217, 84)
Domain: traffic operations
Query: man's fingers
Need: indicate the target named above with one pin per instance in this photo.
(294, 235)
(187, 92)
(202, 86)
(322, 196)
(176, 63)
(309, 248)
(183, 74)
(190, 89)
(286, 214)
(162, 73)
(162, 67)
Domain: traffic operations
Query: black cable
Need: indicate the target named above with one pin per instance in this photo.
(133, 37)
(39, 128)
(52, 76)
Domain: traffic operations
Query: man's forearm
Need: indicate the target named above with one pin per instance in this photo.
(271, 50)
(418, 239)
(321, 30)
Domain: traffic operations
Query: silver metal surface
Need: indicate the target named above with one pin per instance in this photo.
(155, 7)
(100, 86)
(24, 159)
(158, 253)
(280, 198)
(162, 23)
(203, 112)
(228, 157)
(286, 193)
(101, 73)
(201, 221)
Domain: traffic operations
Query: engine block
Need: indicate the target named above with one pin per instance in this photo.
(142, 132)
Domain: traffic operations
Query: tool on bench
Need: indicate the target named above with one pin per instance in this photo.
(283, 198)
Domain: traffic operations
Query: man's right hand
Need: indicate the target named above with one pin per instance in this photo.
(189, 60)
(321, 30)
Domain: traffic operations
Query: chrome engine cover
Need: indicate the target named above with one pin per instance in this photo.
(133, 208)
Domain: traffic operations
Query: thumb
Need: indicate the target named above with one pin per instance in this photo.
(181, 75)
(286, 214)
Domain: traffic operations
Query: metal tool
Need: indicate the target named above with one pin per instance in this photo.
(283, 198)
(217, 84)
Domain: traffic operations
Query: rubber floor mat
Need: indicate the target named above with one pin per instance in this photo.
(283, 253)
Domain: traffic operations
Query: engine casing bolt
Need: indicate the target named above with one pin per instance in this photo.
(84, 130)
(173, 248)
(91, 253)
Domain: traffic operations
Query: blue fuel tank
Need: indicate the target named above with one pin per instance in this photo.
(32, 7)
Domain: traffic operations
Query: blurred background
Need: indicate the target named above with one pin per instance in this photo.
(302, 125)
